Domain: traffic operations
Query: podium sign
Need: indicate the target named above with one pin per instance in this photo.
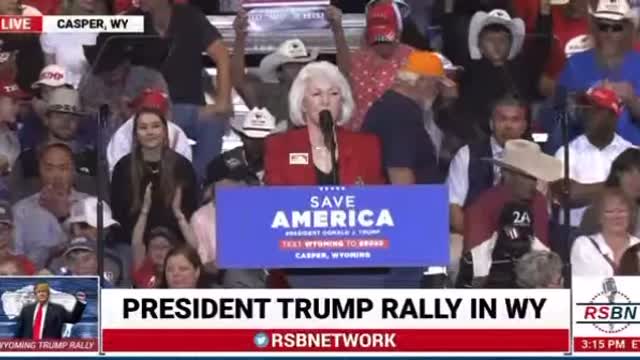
(332, 227)
(279, 15)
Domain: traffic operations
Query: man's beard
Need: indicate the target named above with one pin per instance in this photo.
(428, 103)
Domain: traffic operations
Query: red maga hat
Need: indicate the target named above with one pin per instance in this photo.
(384, 24)
(151, 99)
(604, 97)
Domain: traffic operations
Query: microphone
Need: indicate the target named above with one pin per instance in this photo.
(609, 286)
(329, 132)
(326, 124)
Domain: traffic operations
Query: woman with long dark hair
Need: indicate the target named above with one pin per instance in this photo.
(152, 161)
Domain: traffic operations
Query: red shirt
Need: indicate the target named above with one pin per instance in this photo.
(288, 159)
(145, 276)
(565, 29)
(46, 7)
(371, 76)
(528, 11)
(481, 219)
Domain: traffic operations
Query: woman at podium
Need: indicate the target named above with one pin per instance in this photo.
(319, 151)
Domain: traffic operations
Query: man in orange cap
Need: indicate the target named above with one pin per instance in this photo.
(408, 152)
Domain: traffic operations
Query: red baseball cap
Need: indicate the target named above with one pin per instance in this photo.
(9, 88)
(151, 99)
(383, 24)
(604, 97)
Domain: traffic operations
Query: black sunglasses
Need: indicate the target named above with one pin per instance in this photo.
(605, 27)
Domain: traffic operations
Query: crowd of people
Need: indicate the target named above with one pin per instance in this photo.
(465, 106)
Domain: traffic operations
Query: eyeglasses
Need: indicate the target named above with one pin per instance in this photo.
(605, 27)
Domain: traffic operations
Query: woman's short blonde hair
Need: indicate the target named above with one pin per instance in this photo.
(616, 193)
(320, 69)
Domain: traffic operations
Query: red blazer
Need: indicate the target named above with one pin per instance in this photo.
(288, 159)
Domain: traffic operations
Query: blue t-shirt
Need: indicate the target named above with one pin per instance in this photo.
(399, 123)
(582, 71)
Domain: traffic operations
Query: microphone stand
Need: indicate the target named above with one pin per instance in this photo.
(330, 142)
(103, 120)
(563, 116)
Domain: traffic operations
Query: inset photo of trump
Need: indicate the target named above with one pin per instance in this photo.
(49, 314)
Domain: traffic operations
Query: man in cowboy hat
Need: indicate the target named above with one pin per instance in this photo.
(62, 120)
(592, 153)
(498, 65)
(270, 88)
(612, 60)
(257, 125)
(522, 165)
(119, 75)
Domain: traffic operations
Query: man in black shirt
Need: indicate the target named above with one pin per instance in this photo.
(189, 34)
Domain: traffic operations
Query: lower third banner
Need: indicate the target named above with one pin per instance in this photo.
(336, 321)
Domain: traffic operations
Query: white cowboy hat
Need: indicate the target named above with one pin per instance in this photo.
(614, 10)
(481, 19)
(257, 124)
(290, 51)
(525, 156)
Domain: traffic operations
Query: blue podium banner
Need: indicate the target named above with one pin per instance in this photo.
(332, 227)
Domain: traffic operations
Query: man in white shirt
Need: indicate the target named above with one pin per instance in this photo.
(591, 154)
(469, 174)
(45, 319)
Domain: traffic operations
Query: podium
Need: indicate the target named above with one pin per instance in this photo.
(332, 227)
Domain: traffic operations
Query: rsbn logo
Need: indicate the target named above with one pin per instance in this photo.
(610, 310)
